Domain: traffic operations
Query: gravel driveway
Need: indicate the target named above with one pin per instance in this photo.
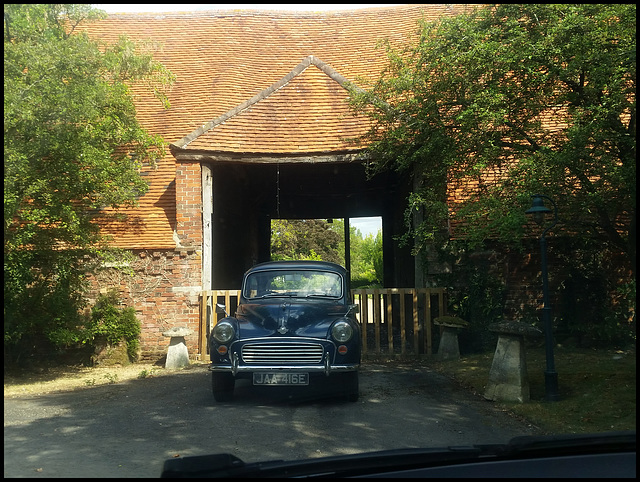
(128, 429)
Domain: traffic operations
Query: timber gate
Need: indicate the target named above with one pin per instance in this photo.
(393, 321)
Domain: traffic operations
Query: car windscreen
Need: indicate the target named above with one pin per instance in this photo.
(293, 283)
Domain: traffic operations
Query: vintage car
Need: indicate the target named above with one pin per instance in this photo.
(294, 326)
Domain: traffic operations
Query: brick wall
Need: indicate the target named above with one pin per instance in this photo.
(188, 204)
(163, 285)
(517, 272)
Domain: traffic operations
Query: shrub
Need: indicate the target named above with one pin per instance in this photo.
(114, 324)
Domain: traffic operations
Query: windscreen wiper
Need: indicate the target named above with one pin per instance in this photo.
(227, 465)
(519, 448)
(267, 295)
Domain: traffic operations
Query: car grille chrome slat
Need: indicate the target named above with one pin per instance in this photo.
(283, 353)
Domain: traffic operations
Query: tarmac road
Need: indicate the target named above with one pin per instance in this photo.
(128, 429)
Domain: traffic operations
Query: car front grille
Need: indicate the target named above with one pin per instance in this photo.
(281, 353)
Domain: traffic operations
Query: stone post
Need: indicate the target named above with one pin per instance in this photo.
(508, 379)
(449, 349)
(177, 354)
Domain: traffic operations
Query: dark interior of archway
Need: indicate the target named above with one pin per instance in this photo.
(248, 196)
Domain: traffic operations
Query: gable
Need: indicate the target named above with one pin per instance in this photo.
(304, 112)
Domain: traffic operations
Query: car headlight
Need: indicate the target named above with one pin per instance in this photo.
(223, 332)
(342, 331)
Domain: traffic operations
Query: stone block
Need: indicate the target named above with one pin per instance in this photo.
(177, 354)
(448, 349)
(508, 379)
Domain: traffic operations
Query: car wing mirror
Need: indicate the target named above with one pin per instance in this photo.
(220, 308)
(355, 308)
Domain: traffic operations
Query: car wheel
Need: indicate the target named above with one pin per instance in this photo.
(222, 385)
(351, 386)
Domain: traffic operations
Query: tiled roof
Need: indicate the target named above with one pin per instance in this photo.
(226, 59)
(305, 111)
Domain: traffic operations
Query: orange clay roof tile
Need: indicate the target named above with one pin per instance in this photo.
(306, 111)
(223, 59)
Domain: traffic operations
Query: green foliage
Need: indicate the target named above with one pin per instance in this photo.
(147, 373)
(376, 258)
(114, 324)
(72, 146)
(476, 294)
(299, 239)
(466, 103)
(318, 239)
(366, 260)
(596, 307)
(41, 305)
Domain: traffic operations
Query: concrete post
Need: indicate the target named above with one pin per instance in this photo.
(508, 379)
(449, 349)
(177, 354)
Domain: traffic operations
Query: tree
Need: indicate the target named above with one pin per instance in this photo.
(72, 146)
(366, 259)
(513, 100)
(320, 240)
(296, 239)
(374, 256)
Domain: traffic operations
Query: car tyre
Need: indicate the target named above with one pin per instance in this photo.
(222, 385)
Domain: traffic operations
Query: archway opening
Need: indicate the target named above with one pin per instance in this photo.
(246, 197)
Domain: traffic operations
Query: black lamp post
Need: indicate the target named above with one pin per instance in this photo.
(539, 210)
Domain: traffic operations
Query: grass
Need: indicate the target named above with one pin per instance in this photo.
(597, 388)
(58, 378)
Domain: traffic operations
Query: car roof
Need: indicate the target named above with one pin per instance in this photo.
(298, 264)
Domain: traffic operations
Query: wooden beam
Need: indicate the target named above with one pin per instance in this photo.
(186, 155)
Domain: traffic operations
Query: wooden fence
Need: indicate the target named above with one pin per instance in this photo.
(399, 320)
(393, 320)
(209, 317)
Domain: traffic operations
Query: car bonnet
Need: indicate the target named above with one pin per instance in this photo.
(288, 317)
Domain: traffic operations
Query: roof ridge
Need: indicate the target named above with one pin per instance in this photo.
(297, 70)
(254, 11)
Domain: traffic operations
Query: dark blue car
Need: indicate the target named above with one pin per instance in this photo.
(294, 326)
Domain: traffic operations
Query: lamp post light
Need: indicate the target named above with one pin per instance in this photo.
(539, 210)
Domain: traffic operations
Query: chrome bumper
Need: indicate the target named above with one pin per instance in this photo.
(298, 368)
(325, 368)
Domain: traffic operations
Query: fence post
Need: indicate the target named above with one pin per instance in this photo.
(427, 322)
(389, 322)
(364, 317)
(416, 327)
(403, 321)
(202, 336)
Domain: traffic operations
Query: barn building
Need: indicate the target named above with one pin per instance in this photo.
(258, 129)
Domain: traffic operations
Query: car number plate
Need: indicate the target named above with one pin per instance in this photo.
(274, 378)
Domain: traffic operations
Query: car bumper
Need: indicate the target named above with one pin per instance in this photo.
(313, 356)
(297, 368)
(327, 368)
